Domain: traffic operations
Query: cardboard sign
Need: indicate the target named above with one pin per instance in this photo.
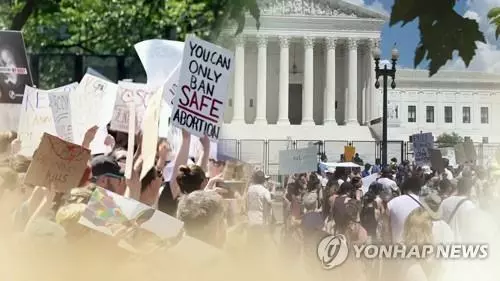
(422, 143)
(150, 135)
(202, 92)
(129, 93)
(15, 72)
(437, 160)
(131, 221)
(57, 163)
(460, 153)
(298, 161)
(349, 152)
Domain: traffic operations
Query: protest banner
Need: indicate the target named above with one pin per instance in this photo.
(61, 110)
(129, 220)
(57, 163)
(15, 72)
(421, 145)
(202, 92)
(349, 152)
(298, 161)
(36, 118)
(150, 135)
(129, 93)
(92, 104)
(159, 59)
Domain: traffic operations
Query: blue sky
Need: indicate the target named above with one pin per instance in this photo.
(406, 37)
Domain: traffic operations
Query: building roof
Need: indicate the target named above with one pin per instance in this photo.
(335, 8)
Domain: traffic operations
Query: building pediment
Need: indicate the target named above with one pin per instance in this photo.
(334, 8)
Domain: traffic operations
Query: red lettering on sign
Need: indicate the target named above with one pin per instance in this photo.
(190, 99)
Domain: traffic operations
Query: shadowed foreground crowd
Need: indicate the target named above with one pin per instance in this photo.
(258, 232)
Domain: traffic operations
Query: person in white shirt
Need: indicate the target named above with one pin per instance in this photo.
(388, 184)
(400, 207)
(454, 209)
(258, 205)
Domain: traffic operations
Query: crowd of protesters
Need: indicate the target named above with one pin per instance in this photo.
(252, 232)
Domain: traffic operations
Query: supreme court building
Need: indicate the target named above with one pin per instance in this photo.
(306, 73)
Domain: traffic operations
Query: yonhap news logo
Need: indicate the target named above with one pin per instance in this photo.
(333, 251)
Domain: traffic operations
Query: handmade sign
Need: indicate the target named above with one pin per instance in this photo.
(61, 110)
(15, 73)
(93, 102)
(129, 93)
(140, 228)
(421, 145)
(349, 152)
(298, 161)
(57, 163)
(150, 135)
(202, 92)
(36, 118)
(129, 164)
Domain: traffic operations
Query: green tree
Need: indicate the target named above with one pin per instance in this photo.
(113, 26)
(103, 27)
(448, 140)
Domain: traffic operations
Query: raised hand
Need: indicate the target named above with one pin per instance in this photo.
(89, 136)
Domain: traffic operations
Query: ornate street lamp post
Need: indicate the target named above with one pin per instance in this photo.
(385, 73)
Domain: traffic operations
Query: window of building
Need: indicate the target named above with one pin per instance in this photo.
(448, 114)
(466, 115)
(429, 113)
(412, 114)
(484, 115)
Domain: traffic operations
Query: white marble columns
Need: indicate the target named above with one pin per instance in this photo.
(261, 117)
(370, 89)
(352, 84)
(329, 97)
(239, 81)
(308, 88)
(283, 81)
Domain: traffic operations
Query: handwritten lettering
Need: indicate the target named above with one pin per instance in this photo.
(213, 57)
(192, 121)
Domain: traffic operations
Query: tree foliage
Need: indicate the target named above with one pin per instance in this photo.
(114, 26)
(442, 31)
(449, 140)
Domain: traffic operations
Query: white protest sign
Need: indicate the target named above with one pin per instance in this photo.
(129, 93)
(92, 104)
(298, 161)
(36, 118)
(202, 92)
(421, 145)
(150, 132)
(61, 110)
(159, 59)
(132, 125)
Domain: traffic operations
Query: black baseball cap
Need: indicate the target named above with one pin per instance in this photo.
(104, 165)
